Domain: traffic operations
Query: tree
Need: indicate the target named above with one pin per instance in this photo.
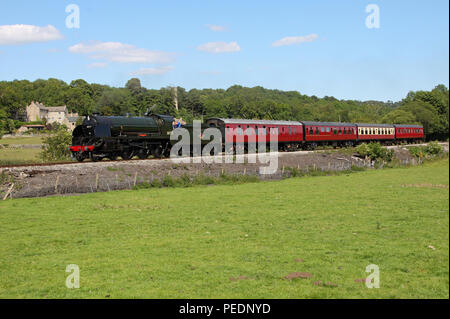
(134, 85)
(399, 116)
(56, 146)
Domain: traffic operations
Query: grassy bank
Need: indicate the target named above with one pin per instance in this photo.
(236, 241)
(22, 140)
(17, 156)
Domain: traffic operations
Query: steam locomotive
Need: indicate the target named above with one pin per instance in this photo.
(101, 137)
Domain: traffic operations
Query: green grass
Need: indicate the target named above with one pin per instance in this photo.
(188, 242)
(11, 156)
(22, 140)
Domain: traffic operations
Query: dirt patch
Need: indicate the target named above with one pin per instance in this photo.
(299, 260)
(294, 275)
(362, 280)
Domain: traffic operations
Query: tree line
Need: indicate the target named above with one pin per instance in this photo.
(428, 108)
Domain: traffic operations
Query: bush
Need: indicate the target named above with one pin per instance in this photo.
(417, 151)
(168, 181)
(363, 150)
(375, 152)
(432, 149)
(56, 146)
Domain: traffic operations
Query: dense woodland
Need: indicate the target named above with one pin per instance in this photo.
(429, 108)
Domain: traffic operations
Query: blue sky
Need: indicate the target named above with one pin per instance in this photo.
(215, 44)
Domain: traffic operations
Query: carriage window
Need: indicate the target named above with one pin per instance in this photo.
(328, 130)
(317, 131)
(311, 131)
(335, 131)
(322, 129)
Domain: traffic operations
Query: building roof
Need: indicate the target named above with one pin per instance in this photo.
(61, 108)
(253, 122)
(53, 108)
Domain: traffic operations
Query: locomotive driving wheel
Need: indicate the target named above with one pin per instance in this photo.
(142, 154)
(112, 157)
(79, 157)
(127, 155)
(95, 158)
(157, 151)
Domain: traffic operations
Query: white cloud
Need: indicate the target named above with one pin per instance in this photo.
(295, 40)
(219, 47)
(121, 52)
(216, 28)
(97, 65)
(153, 71)
(23, 33)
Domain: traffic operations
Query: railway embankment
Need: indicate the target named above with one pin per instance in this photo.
(77, 178)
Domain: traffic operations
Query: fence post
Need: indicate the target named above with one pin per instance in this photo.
(56, 183)
(8, 192)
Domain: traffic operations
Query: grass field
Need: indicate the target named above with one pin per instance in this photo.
(22, 140)
(194, 242)
(10, 156)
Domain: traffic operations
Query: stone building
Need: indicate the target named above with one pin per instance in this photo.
(37, 111)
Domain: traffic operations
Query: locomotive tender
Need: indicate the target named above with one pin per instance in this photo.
(111, 136)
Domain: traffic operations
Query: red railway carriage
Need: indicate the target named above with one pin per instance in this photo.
(333, 133)
(409, 133)
(375, 132)
(240, 131)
